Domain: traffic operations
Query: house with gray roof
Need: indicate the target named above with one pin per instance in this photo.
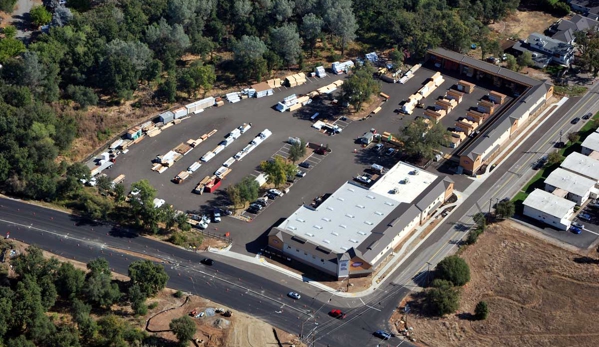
(351, 232)
(546, 50)
(564, 29)
(588, 8)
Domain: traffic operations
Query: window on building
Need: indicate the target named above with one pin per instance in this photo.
(297, 250)
(288, 247)
(305, 253)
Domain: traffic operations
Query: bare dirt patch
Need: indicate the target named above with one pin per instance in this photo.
(538, 295)
(520, 24)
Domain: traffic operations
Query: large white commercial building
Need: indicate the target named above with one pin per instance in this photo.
(351, 232)
(549, 209)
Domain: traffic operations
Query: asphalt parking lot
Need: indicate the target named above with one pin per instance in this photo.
(325, 177)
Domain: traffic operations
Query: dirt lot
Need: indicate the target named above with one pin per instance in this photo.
(235, 331)
(520, 24)
(538, 295)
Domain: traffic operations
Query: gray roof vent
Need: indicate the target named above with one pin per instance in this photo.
(345, 248)
(340, 199)
(379, 213)
(370, 197)
(350, 215)
(361, 206)
(361, 232)
(351, 189)
(343, 226)
(368, 222)
(335, 233)
(291, 227)
(326, 219)
(389, 203)
(326, 241)
(354, 241)
(310, 234)
(300, 220)
(317, 226)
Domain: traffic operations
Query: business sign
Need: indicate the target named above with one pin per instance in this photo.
(357, 264)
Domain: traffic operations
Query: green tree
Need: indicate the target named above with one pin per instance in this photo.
(278, 169)
(138, 300)
(168, 89)
(573, 136)
(311, 28)
(360, 86)
(422, 140)
(554, 158)
(99, 288)
(443, 298)
(480, 220)
(84, 96)
(453, 269)
(184, 329)
(248, 54)
(150, 277)
(9, 31)
(6, 296)
(286, 42)
(181, 220)
(297, 151)
(10, 47)
(525, 59)
(40, 16)
(234, 195)
(396, 56)
(28, 310)
(119, 192)
(481, 311)
(69, 281)
(103, 183)
(80, 310)
(32, 263)
(342, 23)
(505, 209)
(248, 189)
(511, 63)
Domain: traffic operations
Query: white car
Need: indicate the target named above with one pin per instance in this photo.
(202, 224)
(365, 178)
(275, 192)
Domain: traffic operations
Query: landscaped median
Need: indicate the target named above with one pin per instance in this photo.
(538, 180)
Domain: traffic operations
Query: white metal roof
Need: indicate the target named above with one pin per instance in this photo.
(548, 203)
(570, 182)
(417, 181)
(582, 165)
(592, 142)
(342, 221)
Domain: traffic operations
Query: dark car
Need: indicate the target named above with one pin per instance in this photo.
(253, 209)
(587, 116)
(382, 334)
(305, 165)
(575, 120)
(207, 261)
(256, 206)
(560, 144)
(261, 202)
(271, 196)
(575, 230)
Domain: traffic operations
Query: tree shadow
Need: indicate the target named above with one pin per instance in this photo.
(586, 260)
(466, 316)
(157, 341)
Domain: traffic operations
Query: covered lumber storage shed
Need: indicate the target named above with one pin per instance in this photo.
(262, 89)
(166, 117)
(180, 112)
(497, 97)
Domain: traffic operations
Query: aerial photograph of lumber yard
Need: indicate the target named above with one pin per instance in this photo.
(311, 173)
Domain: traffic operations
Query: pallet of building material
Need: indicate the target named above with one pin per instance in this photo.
(313, 94)
(162, 169)
(154, 132)
(138, 140)
(300, 78)
(338, 83)
(149, 125)
(322, 90)
(497, 98)
(212, 132)
(427, 89)
(486, 106)
(219, 103)
(476, 116)
(435, 115)
(177, 157)
(437, 79)
(454, 142)
(295, 107)
(415, 68)
(465, 87)
(376, 110)
(446, 104)
(191, 142)
(290, 81)
(455, 95)
(303, 99)
(166, 126)
(176, 121)
(183, 148)
(156, 166)
(467, 126)
(460, 135)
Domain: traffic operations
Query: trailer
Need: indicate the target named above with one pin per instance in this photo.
(213, 185)
(118, 180)
(182, 176)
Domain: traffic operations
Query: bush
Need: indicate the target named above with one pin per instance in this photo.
(454, 269)
(84, 96)
(481, 311)
(473, 236)
(153, 305)
(178, 294)
(443, 298)
(177, 239)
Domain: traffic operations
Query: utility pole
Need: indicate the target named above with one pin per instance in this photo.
(490, 203)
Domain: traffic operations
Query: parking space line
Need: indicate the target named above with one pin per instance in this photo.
(592, 232)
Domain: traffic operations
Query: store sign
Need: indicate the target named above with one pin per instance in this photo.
(357, 264)
(343, 265)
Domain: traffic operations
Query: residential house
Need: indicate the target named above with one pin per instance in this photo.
(590, 144)
(569, 185)
(589, 8)
(546, 50)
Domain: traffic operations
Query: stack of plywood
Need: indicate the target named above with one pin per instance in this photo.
(154, 132)
(427, 89)
(409, 106)
(302, 100)
(313, 94)
(497, 98)
(338, 83)
(446, 104)
(456, 138)
(454, 95)
(274, 83)
(486, 106)
(183, 148)
(465, 87)
(296, 79)
(466, 125)
(437, 79)
(476, 116)
(434, 114)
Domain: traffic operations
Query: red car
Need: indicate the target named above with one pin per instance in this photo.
(337, 314)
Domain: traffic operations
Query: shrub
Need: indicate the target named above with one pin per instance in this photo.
(153, 305)
(177, 239)
(481, 311)
(454, 269)
(178, 294)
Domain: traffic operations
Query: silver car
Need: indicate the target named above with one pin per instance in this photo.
(294, 295)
